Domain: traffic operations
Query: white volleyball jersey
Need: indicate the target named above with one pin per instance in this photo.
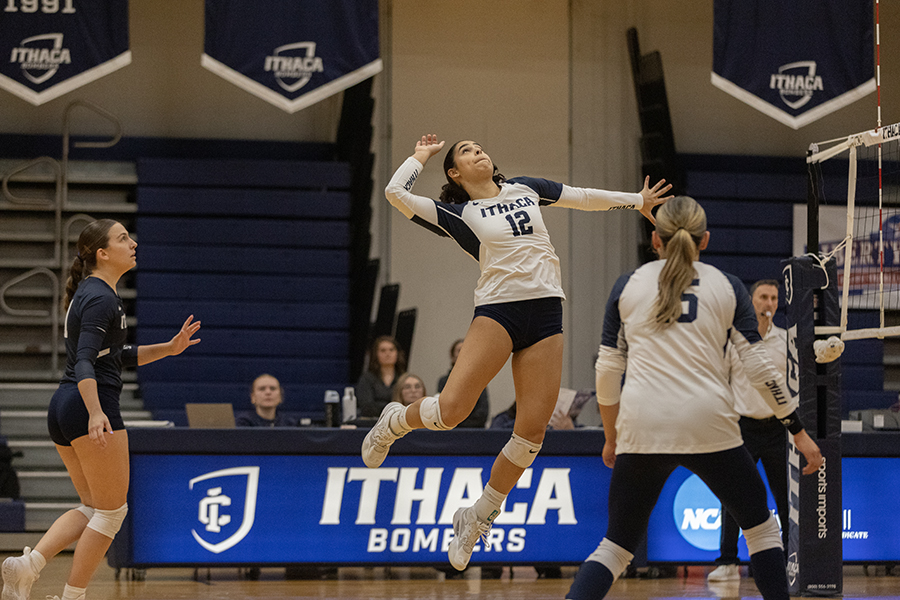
(676, 398)
(505, 234)
(748, 402)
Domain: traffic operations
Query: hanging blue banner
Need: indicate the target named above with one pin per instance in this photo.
(795, 61)
(55, 46)
(292, 53)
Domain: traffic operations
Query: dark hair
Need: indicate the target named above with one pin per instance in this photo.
(455, 344)
(773, 282)
(680, 224)
(92, 238)
(452, 192)
(375, 367)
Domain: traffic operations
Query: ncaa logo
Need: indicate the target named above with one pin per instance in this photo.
(697, 514)
(226, 506)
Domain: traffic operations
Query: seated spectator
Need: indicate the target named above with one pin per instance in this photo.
(265, 395)
(479, 415)
(376, 385)
(408, 389)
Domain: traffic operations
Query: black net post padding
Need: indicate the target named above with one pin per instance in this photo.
(815, 559)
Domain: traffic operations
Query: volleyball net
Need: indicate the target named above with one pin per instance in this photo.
(856, 219)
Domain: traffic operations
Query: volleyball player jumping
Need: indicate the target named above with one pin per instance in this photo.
(518, 309)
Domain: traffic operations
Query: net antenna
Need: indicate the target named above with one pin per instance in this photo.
(876, 154)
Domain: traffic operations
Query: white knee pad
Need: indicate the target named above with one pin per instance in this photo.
(430, 413)
(612, 556)
(108, 522)
(764, 536)
(520, 451)
(87, 511)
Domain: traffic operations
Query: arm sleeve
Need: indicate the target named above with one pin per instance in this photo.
(129, 355)
(609, 368)
(94, 322)
(758, 366)
(612, 357)
(399, 195)
(560, 194)
(594, 199)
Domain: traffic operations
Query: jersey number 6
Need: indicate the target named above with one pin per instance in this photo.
(689, 315)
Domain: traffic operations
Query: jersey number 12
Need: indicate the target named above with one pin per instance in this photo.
(519, 222)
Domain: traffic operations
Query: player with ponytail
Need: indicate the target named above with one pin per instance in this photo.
(666, 328)
(84, 418)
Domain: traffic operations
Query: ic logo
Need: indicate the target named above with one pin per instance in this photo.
(218, 504)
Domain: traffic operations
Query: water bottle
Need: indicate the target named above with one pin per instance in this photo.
(348, 404)
(332, 401)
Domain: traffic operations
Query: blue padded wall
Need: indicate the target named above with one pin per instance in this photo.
(749, 209)
(258, 250)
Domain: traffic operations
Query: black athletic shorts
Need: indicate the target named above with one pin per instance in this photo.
(527, 321)
(67, 417)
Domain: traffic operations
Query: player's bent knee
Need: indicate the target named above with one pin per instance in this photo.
(108, 522)
(520, 451)
(612, 556)
(764, 536)
(430, 413)
(87, 511)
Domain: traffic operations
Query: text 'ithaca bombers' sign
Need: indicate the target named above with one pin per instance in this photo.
(51, 47)
(292, 53)
(331, 509)
(795, 61)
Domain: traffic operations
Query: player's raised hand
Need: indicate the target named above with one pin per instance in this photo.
(427, 147)
(182, 339)
(653, 196)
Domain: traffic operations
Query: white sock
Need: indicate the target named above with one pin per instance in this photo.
(38, 562)
(399, 424)
(73, 593)
(488, 506)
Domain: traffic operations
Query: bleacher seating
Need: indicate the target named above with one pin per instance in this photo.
(258, 250)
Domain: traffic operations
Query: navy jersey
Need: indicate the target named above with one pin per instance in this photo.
(505, 234)
(95, 333)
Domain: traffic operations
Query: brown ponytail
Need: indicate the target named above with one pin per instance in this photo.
(92, 238)
(680, 224)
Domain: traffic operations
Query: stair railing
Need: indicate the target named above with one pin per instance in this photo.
(53, 313)
(67, 119)
(55, 203)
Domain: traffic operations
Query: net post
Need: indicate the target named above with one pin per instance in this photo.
(815, 553)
